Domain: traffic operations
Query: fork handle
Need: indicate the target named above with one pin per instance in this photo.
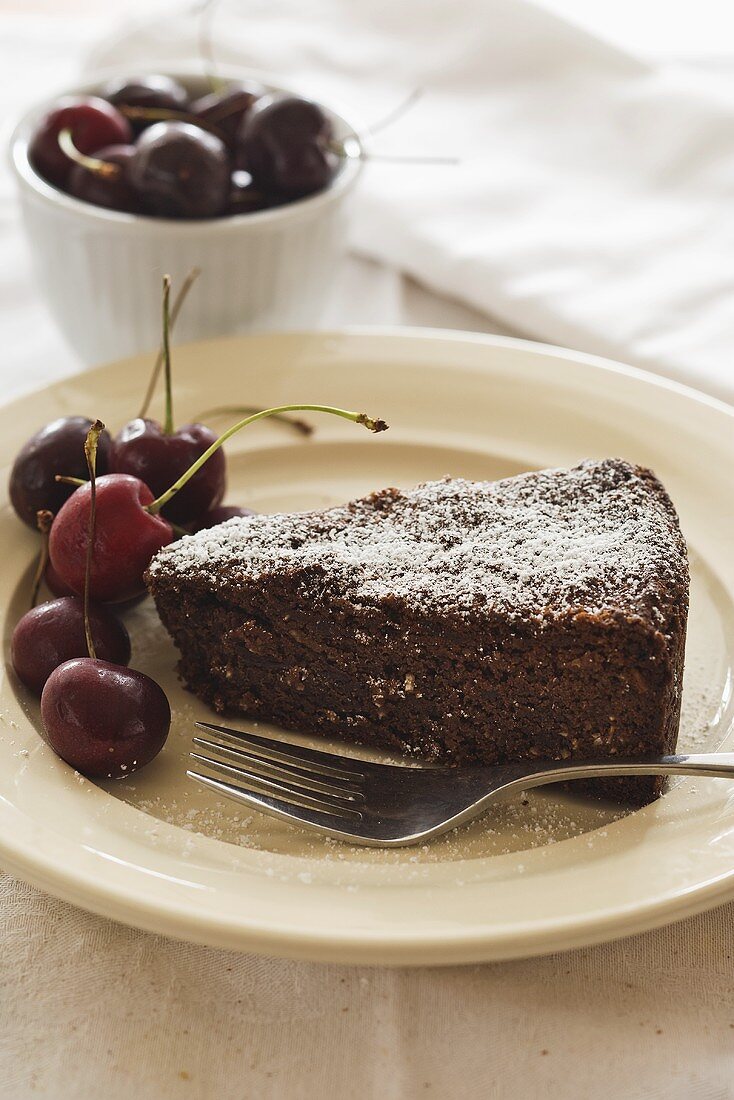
(716, 764)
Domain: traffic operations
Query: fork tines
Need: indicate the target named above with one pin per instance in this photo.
(279, 779)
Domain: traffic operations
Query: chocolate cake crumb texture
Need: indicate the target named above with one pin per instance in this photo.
(538, 617)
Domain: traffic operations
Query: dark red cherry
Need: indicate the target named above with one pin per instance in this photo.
(94, 123)
(227, 109)
(142, 448)
(180, 171)
(154, 90)
(53, 633)
(56, 449)
(114, 193)
(285, 143)
(126, 538)
(221, 514)
(304, 171)
(244, 197)
(103, 719)
(55, 584)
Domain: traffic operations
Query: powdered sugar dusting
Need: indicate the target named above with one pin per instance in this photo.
(602, 536)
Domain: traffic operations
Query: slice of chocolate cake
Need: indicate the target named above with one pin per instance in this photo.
(542, 616)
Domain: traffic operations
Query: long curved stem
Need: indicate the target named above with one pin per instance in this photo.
(295, 422)
(90, 453)
(170, 114)
(168, 422)
(179, 300)
(371, 423)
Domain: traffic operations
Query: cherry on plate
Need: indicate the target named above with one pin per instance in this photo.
(58, 448)
(103, 719)
(145, 450)
(159, 454)
(55, 584)
(94, 123)
(215, 516)
(126, 538)
(53, 633)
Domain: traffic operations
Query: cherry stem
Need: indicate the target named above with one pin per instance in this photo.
(223, 111)
(294, 422)
(206, 45)
(90, 453)
(395, 113)
(388, 159)
(93, 164)
(373, 425)
(350, 150)
(44, 519)
(179, 300)
(178, 530)
(64, 480)
(168, 422)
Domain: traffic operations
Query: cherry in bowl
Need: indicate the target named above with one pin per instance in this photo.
(287, 145)
(180, 171)
(93, 124)
(226, 109)
(92, 181)
(150, 92)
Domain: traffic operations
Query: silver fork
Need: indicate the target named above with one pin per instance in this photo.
(386, 805)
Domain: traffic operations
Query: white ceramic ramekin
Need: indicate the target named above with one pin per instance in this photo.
(100, 270)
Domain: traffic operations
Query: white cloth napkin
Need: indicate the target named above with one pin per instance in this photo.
(594, 202)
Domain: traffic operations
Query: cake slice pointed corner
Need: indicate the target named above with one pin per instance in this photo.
(542, 616)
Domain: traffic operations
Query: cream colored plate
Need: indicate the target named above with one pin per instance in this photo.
(553, 873)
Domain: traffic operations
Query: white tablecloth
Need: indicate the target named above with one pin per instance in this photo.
(90, 1008)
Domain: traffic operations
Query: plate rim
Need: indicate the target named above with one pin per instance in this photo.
(396, 949)
(412, 332)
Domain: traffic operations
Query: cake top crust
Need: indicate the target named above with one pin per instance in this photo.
(601, 537)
